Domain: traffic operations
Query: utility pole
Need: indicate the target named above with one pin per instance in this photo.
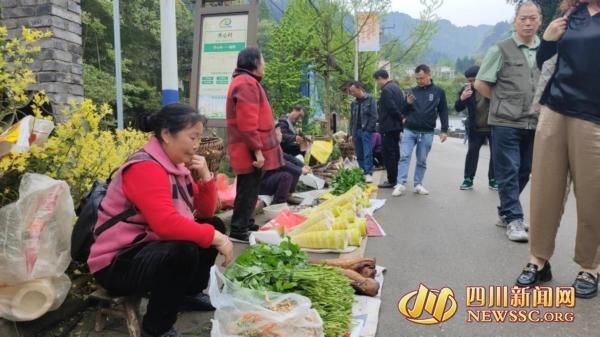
(168, 52)
(118, 72)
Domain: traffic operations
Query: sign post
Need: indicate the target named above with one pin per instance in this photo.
(220, 34)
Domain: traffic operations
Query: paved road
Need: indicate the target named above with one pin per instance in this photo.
(448, 239)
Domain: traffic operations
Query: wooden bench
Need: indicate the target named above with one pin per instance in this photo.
(124, 307)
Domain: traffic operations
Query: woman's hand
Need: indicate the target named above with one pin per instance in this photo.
(556, 29)
(199, 168)
(225, 247)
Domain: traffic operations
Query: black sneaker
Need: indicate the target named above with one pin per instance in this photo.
(586, 285)
(198, 302)
(242, 237)
(386, 184)
(253, 226)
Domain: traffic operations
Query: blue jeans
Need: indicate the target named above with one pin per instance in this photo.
(423, 142)
(513, 154)
(363, 148)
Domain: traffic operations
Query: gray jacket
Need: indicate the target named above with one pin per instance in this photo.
(512, 96)
(367, 107)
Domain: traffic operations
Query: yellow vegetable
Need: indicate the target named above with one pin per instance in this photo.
(354, 237)
(322, 240)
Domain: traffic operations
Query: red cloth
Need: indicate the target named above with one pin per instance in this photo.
(250, 125)
(147, 186)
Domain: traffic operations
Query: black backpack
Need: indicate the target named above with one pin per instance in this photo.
(83, 233)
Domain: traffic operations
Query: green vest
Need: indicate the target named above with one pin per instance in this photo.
(512, 96)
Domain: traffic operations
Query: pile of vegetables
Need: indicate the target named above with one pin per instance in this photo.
(334, 224)
(345, 179)
(284, 268)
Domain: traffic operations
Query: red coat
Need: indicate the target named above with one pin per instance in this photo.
(250, 125)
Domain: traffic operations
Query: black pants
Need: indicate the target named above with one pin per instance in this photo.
(168, 270)
(279, 184)
(245, 200)
(476, 141)
(391, 154)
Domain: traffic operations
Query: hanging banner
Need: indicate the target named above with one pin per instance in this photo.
(223, 37)
(368, 38)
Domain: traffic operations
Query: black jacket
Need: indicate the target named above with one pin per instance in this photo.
(391, 107)
(430, 103)
(474, 115)
(368, 114)
(288, 134)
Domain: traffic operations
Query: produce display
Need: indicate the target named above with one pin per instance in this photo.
(345, 179)
(285, 268)
(334, 224)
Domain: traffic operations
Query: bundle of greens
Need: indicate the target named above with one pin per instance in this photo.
(345, 179)
(284, 268)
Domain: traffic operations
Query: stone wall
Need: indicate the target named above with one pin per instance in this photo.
(59, 67)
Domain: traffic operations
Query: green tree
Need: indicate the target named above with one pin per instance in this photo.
(286, 65)
(140, 39)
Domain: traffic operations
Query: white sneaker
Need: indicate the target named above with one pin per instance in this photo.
(368, 178)
(419, 189)
(398, 190)
(516, 231)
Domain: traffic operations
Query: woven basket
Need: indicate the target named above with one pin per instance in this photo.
(347, 149)
(211, 148)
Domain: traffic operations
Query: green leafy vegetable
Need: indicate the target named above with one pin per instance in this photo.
(284, 268)
(345, 179)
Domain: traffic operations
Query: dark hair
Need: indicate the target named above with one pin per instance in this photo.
(381, 73)
(357, 84)
(423, 68)
(472, 72)
(173, 117)
(249, 58)
(298, 107)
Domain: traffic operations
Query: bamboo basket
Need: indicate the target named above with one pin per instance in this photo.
(212, 149)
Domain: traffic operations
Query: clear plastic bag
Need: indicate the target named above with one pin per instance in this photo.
(245, 312)
(35, 234)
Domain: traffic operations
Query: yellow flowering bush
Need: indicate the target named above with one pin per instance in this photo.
(16, 54)
(78, 151)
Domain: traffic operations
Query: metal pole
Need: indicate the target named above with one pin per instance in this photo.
(118, 74)
(356, 47)
(168, 52)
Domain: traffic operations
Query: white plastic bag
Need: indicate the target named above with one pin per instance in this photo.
(35, 237)
(21, 135)
(245, 312)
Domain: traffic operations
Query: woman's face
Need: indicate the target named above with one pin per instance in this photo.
(181, 146)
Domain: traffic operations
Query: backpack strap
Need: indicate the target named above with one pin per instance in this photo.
(141, 155)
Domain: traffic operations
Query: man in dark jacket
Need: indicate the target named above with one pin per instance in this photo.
(478, 129)
(282, 182)
(363, 121)
(426, 102)
(291, 141)
(390, 109)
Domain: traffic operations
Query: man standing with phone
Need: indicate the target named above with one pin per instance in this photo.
(479, 131)
(390, 109)
(426, 102)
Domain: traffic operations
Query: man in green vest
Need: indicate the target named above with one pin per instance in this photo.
(508, 76)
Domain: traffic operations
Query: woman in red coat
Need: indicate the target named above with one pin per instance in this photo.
(252, 143)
